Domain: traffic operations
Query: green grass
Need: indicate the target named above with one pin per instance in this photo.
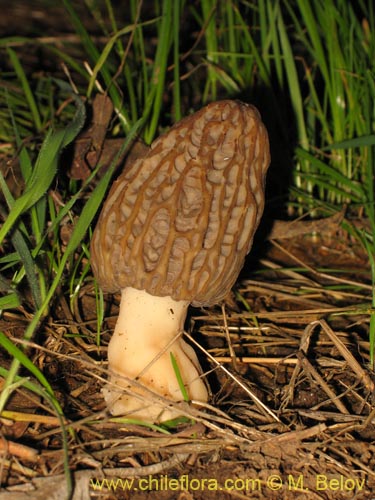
(315, 62)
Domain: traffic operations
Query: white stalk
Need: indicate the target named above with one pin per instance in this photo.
(148, 329)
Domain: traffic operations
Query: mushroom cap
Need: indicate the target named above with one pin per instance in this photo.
(180, 220)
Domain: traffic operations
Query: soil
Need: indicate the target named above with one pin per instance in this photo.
(293, 417)
(292, 412)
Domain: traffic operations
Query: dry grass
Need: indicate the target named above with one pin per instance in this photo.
(287, 355)
(286, 358)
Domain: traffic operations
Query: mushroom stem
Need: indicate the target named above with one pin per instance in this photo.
(148, 330)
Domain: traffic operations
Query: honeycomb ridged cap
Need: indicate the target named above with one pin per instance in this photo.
(180, 220)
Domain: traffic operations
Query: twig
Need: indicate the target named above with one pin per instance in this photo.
(352, 362)
(18, 450)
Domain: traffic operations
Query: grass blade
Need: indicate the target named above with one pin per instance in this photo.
(45, 168)
(26, 88)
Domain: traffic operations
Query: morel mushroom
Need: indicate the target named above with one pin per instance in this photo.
(175, 230)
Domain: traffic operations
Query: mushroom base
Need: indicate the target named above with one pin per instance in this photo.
(147, 332)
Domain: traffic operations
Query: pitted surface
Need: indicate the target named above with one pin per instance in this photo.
(180, 220)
